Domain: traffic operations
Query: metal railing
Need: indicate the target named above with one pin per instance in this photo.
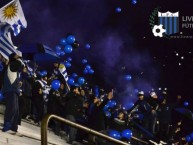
(46, 119)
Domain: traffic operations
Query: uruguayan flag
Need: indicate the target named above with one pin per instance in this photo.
(6, 44)
(62, 70)
(12, 14)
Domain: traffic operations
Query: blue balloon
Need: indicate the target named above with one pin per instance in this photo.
(62, 53)
(186, 104)
(134, 2)
(55, 84)
(74, 75)
(44, 72)
(84, 61)
(81, 80)
(63, 42)
(88, 67)
(112, 103)
(108, 114)
(114, 134)
(70, 81)
(58, 52)
(129, 105)
(85, 71)
(128, 77)
(70, 39)
(191, 135)
(67, 64)
(106, 107)
(1, 96)
(69, 59)
(91, 71)
(68, 49)
(58, 47)
(126, 133)
(96, 91)
(188, 138)
(87, 46)
(40, 74)
(118, 9)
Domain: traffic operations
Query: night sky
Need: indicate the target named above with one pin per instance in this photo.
(121, 43)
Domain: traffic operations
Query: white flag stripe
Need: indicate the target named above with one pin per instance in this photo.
(64, 73)
(6, 44)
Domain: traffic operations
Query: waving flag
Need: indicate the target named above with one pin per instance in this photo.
(6, 44)
(12, 14)
(62, 70)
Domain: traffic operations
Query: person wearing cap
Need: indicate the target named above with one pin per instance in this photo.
(11, 91)
(143, 108)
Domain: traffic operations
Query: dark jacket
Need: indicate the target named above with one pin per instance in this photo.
(97, 117)
(11, 77)
(73, 105)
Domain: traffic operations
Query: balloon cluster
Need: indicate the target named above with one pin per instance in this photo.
(67, 64)
(110, 104)
(66, 45)
(118, 135)
(71, 80)
(88, 69)
(189, 138)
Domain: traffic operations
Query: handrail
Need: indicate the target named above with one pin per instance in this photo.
(46, 119)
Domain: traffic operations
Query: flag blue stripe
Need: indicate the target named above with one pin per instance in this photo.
(166, 23)
(170, 19)
(4, 29)
(161, 20)
(6, 48)
(6, 43)
(175, 24)
(4, 51)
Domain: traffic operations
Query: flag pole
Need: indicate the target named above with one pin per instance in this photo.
(68, 87)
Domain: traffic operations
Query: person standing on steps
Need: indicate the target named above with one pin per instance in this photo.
(11, 91)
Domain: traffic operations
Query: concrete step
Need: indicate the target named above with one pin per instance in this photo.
(16, 140)
(31, 134)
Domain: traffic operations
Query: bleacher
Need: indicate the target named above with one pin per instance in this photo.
(31, 134)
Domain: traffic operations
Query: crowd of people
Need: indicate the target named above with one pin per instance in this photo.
(31, 96)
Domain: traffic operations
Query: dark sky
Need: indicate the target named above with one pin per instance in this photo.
(121, 43)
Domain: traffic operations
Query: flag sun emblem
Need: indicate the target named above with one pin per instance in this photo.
(10, 11)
